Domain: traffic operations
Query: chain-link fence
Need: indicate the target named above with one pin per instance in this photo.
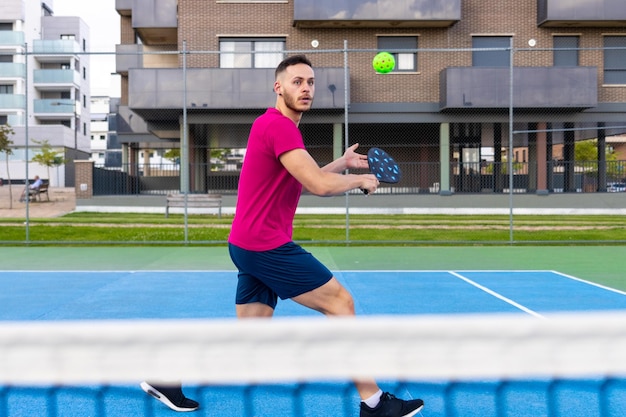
(465, 137)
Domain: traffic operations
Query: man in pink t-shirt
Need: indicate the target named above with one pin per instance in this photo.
(275, 169)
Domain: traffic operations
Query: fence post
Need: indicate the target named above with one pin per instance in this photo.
(84, 179)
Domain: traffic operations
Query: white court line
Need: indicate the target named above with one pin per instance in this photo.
(497, 295)
(594, 284)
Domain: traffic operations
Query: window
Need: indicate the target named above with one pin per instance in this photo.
(615, 60)
(6, 58)
(102, 137)
(496, 58)
(405, 61)
(68, 37)
(251, 53)
(565, 52)
(6, 89)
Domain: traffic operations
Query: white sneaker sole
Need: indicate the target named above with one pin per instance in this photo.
(412, 413)
(150, 390)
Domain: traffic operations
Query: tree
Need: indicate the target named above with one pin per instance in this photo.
(48, 157)
(5, 146)
(586, 151)
(173, 155)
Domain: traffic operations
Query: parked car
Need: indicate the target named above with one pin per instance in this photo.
(616, 187)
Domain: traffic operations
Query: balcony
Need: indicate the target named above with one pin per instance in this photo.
(12, 70)
(219, 89)
(376, 13)
(56, 80)
(54, 109)
(588, 13)
(124, 7)
(58, 135)
(15, 120)
(128, 56)
(60, 50)
(141, 56)
(156, 21)
(12, 101)
(573, 88)
(11, 38)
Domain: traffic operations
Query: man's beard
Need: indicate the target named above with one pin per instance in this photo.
(292, 104)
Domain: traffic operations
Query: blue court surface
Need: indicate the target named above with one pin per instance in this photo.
(95, 295)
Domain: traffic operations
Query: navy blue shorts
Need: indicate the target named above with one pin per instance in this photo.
(285, 272)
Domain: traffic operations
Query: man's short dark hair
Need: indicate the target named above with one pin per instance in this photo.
(291, 60)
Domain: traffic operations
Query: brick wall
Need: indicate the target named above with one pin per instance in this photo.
(202, 22)
(84, 179)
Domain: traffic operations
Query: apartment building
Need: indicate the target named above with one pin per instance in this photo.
(105, 150)
(44, 86)
(470, 75)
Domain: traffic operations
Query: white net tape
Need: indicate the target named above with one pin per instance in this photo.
(309, 349)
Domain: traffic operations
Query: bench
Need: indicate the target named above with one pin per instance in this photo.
(194, 201)
(35, 194)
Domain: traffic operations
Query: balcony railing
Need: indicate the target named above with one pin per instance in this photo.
(12, 70)
(588, 13)
(376, 13)
(156, 21)
(534, 87)
(155, 13)
(57, 77)
(221, 88)
(11, 38)
(58, 46)
(12, 101)
(128, 56)
(63, 107)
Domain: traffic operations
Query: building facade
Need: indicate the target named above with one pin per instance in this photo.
(44, 86)
(474, 79)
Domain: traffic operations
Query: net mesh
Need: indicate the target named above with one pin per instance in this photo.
(494, 365)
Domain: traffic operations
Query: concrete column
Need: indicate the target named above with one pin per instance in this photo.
(542, 160)
(337, 140)
(125, 158)
(569, 143)
(601, 186)
(497, 158)
(444, 159)
(532, 157)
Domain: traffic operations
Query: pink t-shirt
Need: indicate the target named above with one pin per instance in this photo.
(268, 195)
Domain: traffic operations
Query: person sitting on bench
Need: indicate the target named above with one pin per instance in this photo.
(32, 188)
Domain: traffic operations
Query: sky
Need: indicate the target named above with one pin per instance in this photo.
(104, 30)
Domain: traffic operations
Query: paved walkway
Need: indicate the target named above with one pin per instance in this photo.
(62, 201)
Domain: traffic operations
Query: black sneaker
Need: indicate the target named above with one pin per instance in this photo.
(391, 406)
(172, 396)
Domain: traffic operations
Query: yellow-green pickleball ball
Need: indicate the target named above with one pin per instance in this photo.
(383, 62)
